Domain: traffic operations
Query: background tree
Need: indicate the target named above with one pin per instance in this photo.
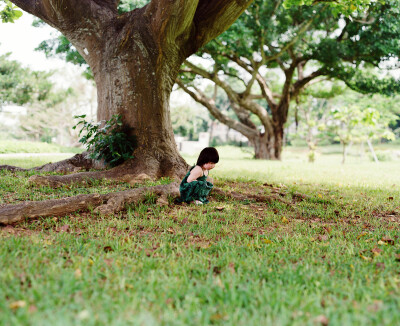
(19, 85)
(352, 124)
(188, 121)
(306, 44)
(312, 114)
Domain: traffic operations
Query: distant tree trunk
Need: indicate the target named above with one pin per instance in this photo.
(211, 130)
(263, 145)
(344, 152)
(278, 143)
(279, 121)
(372, 151)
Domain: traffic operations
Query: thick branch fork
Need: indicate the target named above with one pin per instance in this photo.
(102, 204)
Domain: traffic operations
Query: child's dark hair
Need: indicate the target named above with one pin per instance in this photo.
(207, 155)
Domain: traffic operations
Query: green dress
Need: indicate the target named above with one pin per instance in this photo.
(195, 190)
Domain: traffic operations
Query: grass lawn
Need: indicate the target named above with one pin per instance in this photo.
(19, 146)
(331, 255)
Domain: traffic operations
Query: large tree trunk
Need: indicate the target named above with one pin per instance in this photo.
(132, 84)
(278, 136)
(279, 117)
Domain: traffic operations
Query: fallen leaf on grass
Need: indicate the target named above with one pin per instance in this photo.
(220, 208)
(84, 314)
(361, 235)
(32, 308)
(17, 304)
(217, 270)
(78, 273)
(323, 237)
(267, 241)
(217, 317)
(162, 202)
(285, 220)
(376, 251)
(376, 306)
(322, 319)
(109, 261)
(47, 243)
(390, 198)
(365, 258)
(169, 301)
(231, 267)
(108, 249)
(9, 229)
(268, 184)
(388, 241)
(64, 228)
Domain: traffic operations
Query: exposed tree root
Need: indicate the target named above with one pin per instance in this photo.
(131, 171)
(239, 196)
(76, 163)
(102, 204)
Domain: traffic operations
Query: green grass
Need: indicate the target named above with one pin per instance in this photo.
(18, 146)
(248, 264)
(30, 161)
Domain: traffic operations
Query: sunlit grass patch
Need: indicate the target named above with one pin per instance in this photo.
(329, 248)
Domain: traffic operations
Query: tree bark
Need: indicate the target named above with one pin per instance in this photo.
(278, 136)
(263, 147)
(134, 81)
(279, 117)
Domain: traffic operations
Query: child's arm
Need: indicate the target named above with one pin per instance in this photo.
(194, 174)
(209, 179)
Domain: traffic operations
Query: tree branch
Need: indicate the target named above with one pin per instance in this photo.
(233, 96)
(213, 17)
(243, 115)
(250, 84)
(171, 19)
(265, 90)
(68, 14)
(201, 98)
(298, 85)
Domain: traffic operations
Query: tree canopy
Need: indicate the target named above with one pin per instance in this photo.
(8, 12)
(306, 44)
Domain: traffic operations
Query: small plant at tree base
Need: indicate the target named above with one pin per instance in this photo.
(110, 143)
